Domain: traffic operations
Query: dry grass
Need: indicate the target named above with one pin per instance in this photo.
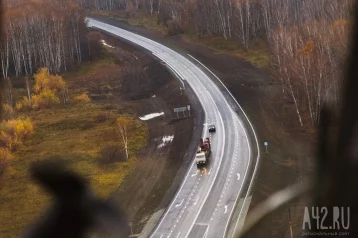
(257, 54)
(88, 68)
(76, 133)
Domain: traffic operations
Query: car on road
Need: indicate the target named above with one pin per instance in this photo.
(212, 128)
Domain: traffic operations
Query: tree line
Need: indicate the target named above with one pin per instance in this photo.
(40, 33)
(307, 39)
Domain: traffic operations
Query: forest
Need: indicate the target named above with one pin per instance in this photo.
(40, 34)
(307, 39)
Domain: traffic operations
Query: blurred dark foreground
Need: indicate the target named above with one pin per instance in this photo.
(76, 212)
(333, 211)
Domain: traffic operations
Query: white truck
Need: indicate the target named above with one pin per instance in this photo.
(203, 153)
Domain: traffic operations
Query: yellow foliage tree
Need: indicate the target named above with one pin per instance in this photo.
(45, 98)
(44, 81)
(23, 104)
(308, 48)
(341, 22)
(83, 98)
(46, 90)
(12, 132)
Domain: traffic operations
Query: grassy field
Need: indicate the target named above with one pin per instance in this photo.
(257, 54)
(84, 136)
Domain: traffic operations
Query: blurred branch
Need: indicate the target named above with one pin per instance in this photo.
(272, 203)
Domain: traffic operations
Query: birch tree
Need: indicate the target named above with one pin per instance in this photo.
(40, 34)
(123, 127)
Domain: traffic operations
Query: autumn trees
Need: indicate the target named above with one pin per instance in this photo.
(307, 61)
(48, 90)
(12, 133)
(51, 38)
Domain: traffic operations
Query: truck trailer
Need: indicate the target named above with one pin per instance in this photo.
(203, 153)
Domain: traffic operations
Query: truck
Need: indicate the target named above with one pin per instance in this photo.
(203, 153)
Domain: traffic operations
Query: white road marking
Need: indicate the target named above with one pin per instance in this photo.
(207, 231)
(193, 175)
(225, 209)
(238, 176)
(196, 201)
(178, 205)
(209, 171)
(178, 235)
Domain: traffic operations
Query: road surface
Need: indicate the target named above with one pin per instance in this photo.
(205, 202)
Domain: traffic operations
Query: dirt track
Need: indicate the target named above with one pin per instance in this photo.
(289, 156)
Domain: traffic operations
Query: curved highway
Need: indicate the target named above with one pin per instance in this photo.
(204, 203)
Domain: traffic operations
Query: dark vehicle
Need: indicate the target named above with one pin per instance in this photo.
(212, 128)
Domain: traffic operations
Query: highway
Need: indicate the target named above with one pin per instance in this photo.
(205, 202)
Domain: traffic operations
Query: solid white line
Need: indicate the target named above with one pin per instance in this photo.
(206, 233)
(258, 150)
